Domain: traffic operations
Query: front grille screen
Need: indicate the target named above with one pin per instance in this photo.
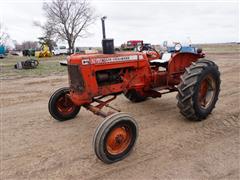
(75, 78)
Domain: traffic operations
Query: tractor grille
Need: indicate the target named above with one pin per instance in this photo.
(75, 78)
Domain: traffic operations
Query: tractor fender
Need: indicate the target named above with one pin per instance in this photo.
(178, 63)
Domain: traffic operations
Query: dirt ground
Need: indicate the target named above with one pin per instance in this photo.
(35, 146)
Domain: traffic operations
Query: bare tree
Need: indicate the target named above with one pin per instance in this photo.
(47, 41)
(29, 45)
(26, 45)
(68, 20)
(4, 37)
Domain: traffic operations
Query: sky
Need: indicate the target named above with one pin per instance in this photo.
(154, 21)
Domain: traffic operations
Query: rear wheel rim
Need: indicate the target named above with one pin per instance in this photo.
(119, 139)
(64, 105)
(207, 92)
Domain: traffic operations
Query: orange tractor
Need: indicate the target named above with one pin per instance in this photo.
(96, 79)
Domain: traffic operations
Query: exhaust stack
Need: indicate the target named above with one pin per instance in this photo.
(107, 44)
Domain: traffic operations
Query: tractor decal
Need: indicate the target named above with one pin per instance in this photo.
(113, 59)
(85, 62)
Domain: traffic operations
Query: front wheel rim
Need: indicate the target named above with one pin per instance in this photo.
(207, 92)
(119, 139)
(64, 105)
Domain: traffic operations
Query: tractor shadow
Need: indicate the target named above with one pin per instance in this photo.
(163, 108)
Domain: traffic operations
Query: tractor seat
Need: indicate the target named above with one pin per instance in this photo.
(163, 61)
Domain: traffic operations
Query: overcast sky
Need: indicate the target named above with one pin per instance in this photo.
(202, 21)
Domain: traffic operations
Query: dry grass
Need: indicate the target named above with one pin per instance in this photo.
(220, 48)
(46, 67)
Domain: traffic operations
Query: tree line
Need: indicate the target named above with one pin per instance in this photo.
(66, 20)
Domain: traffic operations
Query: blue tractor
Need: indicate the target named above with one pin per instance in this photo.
(181, 48)
(2, 51)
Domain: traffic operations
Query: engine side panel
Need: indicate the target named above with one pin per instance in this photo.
(109, 74)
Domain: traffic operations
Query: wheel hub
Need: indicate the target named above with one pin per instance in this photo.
(118, 140)
(207, 92)
(64, 105)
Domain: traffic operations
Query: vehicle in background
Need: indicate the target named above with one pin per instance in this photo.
(2, 51)
(134, 43)
(45, 52)
(131, 45)
(28, 52)
(185, 49)
(60, 50)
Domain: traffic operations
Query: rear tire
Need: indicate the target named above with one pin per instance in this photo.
(115, 137)
(199, 89)
(61, 107)
(134, 96)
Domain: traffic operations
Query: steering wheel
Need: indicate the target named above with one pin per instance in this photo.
(141, 48)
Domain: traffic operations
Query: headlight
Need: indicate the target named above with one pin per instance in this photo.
(178, 47)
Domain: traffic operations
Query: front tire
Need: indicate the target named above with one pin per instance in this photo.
(61, 107)
(199, 89)
(115, 137)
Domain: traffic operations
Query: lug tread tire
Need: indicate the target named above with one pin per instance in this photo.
(187, 89)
